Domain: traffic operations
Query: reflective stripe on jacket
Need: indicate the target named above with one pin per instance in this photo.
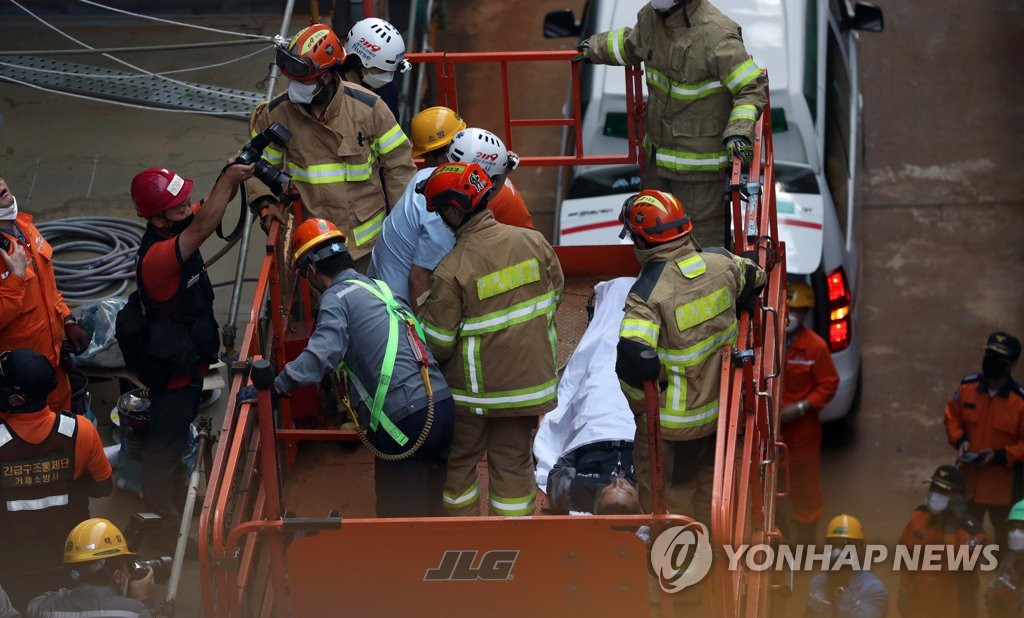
(702, 84)
(347, 169)
(490, 319)
(684, 306)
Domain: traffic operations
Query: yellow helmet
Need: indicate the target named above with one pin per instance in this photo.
(434, 128)
(799, 295)
(95, 539)
(844, 527)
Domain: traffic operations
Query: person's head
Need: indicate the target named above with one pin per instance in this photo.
(800, 299)
(432, 130)
(8, 203)
(97, 553)
(376, 50)
(485, 149)
(947, 483)
(164, 198)
(1015, 527)
(652, 218)
(619, 497)
(26, 378)
(456, 192)
(844, 530)
(319, 252)
(310, 61)
(1001, 353)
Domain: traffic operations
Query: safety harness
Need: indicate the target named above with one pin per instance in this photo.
(396, 313)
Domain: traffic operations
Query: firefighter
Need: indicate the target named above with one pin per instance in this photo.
(845, 592)
(678, 315)
(480, 146)
(348, 157)
(985, 423)
(809, 382)
(942, 520)
(1005, 594)
(365, 332)
(412, 240)
(102, 568)
(32, 311)
(180, 328)
(705, 94)
(374, 52)
(52, 464)
(490, 320)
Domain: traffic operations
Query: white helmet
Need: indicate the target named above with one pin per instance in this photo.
(484, 148)
(378, 44)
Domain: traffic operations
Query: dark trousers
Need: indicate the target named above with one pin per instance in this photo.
(164, 480)
(414, 487)
(997, 513)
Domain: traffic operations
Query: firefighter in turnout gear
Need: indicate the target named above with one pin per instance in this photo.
(490, 320)
(363, 331)
(705, 94)
(51, 465)
(348, 157)
(679, 314)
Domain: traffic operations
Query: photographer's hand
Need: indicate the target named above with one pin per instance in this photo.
(142, 589)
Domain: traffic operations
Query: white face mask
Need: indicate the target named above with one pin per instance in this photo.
(662, 5)
(793, 323)
(11, 212)
(302, 93)
(378, 80)
(1015, 539)
(937, 502)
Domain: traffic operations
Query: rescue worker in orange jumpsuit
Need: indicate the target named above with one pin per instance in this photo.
(985, 423)
(942, 520)
(51, 465)
(32, 311)
(348, 157)
(490, 322)
(809, 382)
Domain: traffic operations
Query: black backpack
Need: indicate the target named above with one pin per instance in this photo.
(131, 329)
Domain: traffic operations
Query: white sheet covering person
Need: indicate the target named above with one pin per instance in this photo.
(591, 407)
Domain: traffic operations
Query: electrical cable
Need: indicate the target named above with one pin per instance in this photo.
(174, 23)
(130, 48)
(133, 76)
(114, 241)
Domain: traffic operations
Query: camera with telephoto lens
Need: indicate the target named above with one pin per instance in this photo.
(276, 180)
(139, 527)
(161, 568)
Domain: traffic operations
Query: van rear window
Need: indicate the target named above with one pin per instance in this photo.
(615, 125)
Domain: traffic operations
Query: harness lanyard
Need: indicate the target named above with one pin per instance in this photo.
(396, 312)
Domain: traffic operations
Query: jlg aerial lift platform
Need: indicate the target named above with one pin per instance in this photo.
(263, 559)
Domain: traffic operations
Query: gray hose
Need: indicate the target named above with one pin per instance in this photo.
(113, 240)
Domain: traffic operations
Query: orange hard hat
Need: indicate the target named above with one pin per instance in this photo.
(655, 216)
(310, 53)
(156, 189)
(464, 186)
(434, 128)
(312, 233)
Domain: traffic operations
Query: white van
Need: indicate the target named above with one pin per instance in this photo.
(809, 48)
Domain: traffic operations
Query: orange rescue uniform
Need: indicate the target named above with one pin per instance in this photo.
(926, 594)
(35, 427)
(509, 208)
(988, 422)
(809, 375)
(32, 310)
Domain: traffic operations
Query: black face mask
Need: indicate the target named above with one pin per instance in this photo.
(177, 227)
(994, 367)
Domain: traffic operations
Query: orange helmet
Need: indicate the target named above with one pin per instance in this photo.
(655, 216)
(310, 53)
(312, 233)
(434, 128)
(156, 189)
(464, 186)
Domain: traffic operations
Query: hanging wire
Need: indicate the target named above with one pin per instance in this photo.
(131, 48)
(175, 23)
(105, 76)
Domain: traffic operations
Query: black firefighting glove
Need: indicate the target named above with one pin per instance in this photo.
(737, 145)
(584, 49)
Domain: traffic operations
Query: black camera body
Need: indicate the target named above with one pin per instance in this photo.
(276, 180)
(161, 568)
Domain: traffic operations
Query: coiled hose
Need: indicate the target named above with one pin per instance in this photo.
(113, 241)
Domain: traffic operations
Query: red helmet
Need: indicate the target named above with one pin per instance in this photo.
(310, 53)
(464, 186)
(157, 189)
(310, 234)
(655, 216)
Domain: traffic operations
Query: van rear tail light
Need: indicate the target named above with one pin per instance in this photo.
(839, 310)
